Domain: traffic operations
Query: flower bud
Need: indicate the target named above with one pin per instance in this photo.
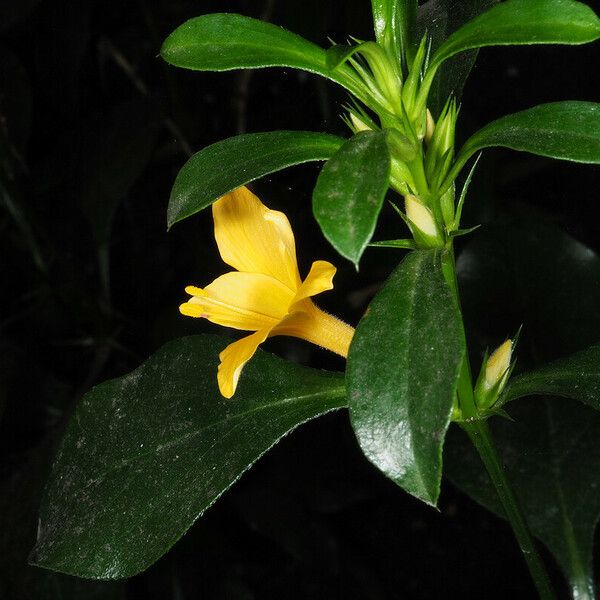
(358, 123)
(422, 223)
(493, 376)
(430, 127)
(498, 364)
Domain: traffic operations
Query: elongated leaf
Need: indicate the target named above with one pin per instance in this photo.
(146, 454)
(20, 497)
(551, 454)
(226, 165)
(350, 191)
(222, 41)
(524, 22)
(439, 19)
(576, 376)
(393, 22)
(563, 130)
(402, 374)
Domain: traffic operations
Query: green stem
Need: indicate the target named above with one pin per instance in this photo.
(465, 382)
(479, 433)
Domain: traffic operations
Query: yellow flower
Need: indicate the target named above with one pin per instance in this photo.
(265, 294)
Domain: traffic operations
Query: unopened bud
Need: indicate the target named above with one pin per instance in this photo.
(493, 376)
(498, 364)
(358, 123)
(422, 223)
(430, 127)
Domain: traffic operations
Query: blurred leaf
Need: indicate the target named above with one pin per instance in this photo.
(524, 22)
(15, 107)
(551, 455)
(146, 454)
(117, 153)
(222, 41)
(439, 19)
(226, 165)
(576, 376)
(350, 191)
(13, 11)
(531, 273)
(563, 130)
(402, 374)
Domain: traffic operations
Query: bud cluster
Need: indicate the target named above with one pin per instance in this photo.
(421, 150)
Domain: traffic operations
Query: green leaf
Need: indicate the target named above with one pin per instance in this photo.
(576, 376)
(222, 41)
(20, 496)
(350, 191)
(551, 454)
(563, 130)
(439, 19)
(524, 22)
(393, 23)
(222, 167)
(402, 374)
(146, 454)
(402, 244)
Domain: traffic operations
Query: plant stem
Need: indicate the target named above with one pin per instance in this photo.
(479, 433)
(465, 382)
(481, 437)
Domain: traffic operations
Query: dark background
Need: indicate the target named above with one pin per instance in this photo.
(93, 129)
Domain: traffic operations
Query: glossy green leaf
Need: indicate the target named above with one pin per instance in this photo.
(563, 130)
(20, 495)
(576, 376)
(350, 191)
(402, 374)
(439, 19)
(551, 454)
(524, 22)
(393, 22)
(146, 454)
(223, 41)
(228, 164)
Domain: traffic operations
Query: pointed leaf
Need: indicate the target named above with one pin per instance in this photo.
(576, 376)
(563, 130)
(524, 22)
(350, 191)
(402, 374)
(146, 454)
(393, 22)
(222, 41)
(551, 454)
(438, 19)
(226, 165)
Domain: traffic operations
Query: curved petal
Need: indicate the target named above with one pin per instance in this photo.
(248, 301)
(254, 239)
(319, 279)
(233, 359)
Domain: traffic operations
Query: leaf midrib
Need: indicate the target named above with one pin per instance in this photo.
(329, 394)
